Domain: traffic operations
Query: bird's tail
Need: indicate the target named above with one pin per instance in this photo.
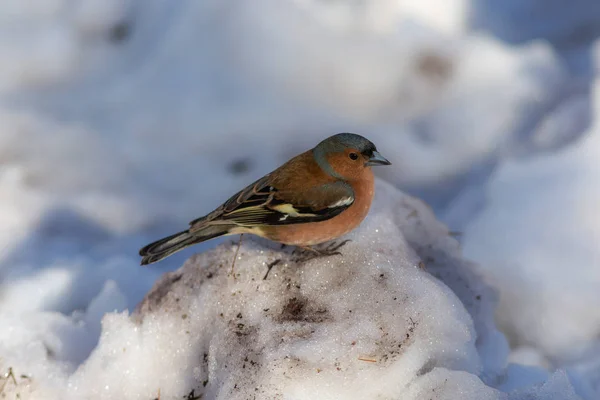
(163, 248)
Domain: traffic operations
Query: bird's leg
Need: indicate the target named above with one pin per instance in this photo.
(299, 250)
(333, 247)
(310, 253)
(305, 253)
(309, 249)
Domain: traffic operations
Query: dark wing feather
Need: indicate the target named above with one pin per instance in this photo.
(253, 194)
(262, 204)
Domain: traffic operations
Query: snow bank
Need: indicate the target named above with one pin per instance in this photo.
(538, 238)
(120, 121)
(373, 322)
(519, 21)
(48, 42)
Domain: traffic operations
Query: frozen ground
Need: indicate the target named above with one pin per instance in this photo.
(120, 121)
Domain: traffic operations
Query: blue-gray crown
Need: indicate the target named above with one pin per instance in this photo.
(341, 141)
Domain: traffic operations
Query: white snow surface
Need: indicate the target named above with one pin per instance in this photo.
(372, 323)
(122, 120)
(367, 324)
(543, 212)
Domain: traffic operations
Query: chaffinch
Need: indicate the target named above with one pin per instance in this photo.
(315, 197)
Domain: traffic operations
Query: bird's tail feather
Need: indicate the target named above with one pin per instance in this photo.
(163, 248)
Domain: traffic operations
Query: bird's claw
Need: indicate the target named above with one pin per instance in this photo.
(334, 246)
(304, 254)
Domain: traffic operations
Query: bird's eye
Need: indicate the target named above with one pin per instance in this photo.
(353, 156)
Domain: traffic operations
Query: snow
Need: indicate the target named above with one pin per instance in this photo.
(518, 21)
(544, 213)
(310, 329)
(122, 120)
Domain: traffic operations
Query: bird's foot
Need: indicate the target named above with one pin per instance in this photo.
(334, 246)
(305, 253)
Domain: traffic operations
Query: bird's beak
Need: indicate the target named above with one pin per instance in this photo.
(377, 159)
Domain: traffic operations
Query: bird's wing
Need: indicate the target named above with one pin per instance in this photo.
(263, 204)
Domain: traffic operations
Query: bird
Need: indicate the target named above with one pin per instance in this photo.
(315, 197)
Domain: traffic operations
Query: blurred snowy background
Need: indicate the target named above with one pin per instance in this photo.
(122, 120)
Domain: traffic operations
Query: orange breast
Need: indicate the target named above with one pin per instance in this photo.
(318, 232)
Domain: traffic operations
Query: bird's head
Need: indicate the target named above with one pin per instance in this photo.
(347, 156)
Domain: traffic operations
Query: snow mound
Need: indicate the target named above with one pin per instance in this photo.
(116, 116)
(538, 240)
(373, 323)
